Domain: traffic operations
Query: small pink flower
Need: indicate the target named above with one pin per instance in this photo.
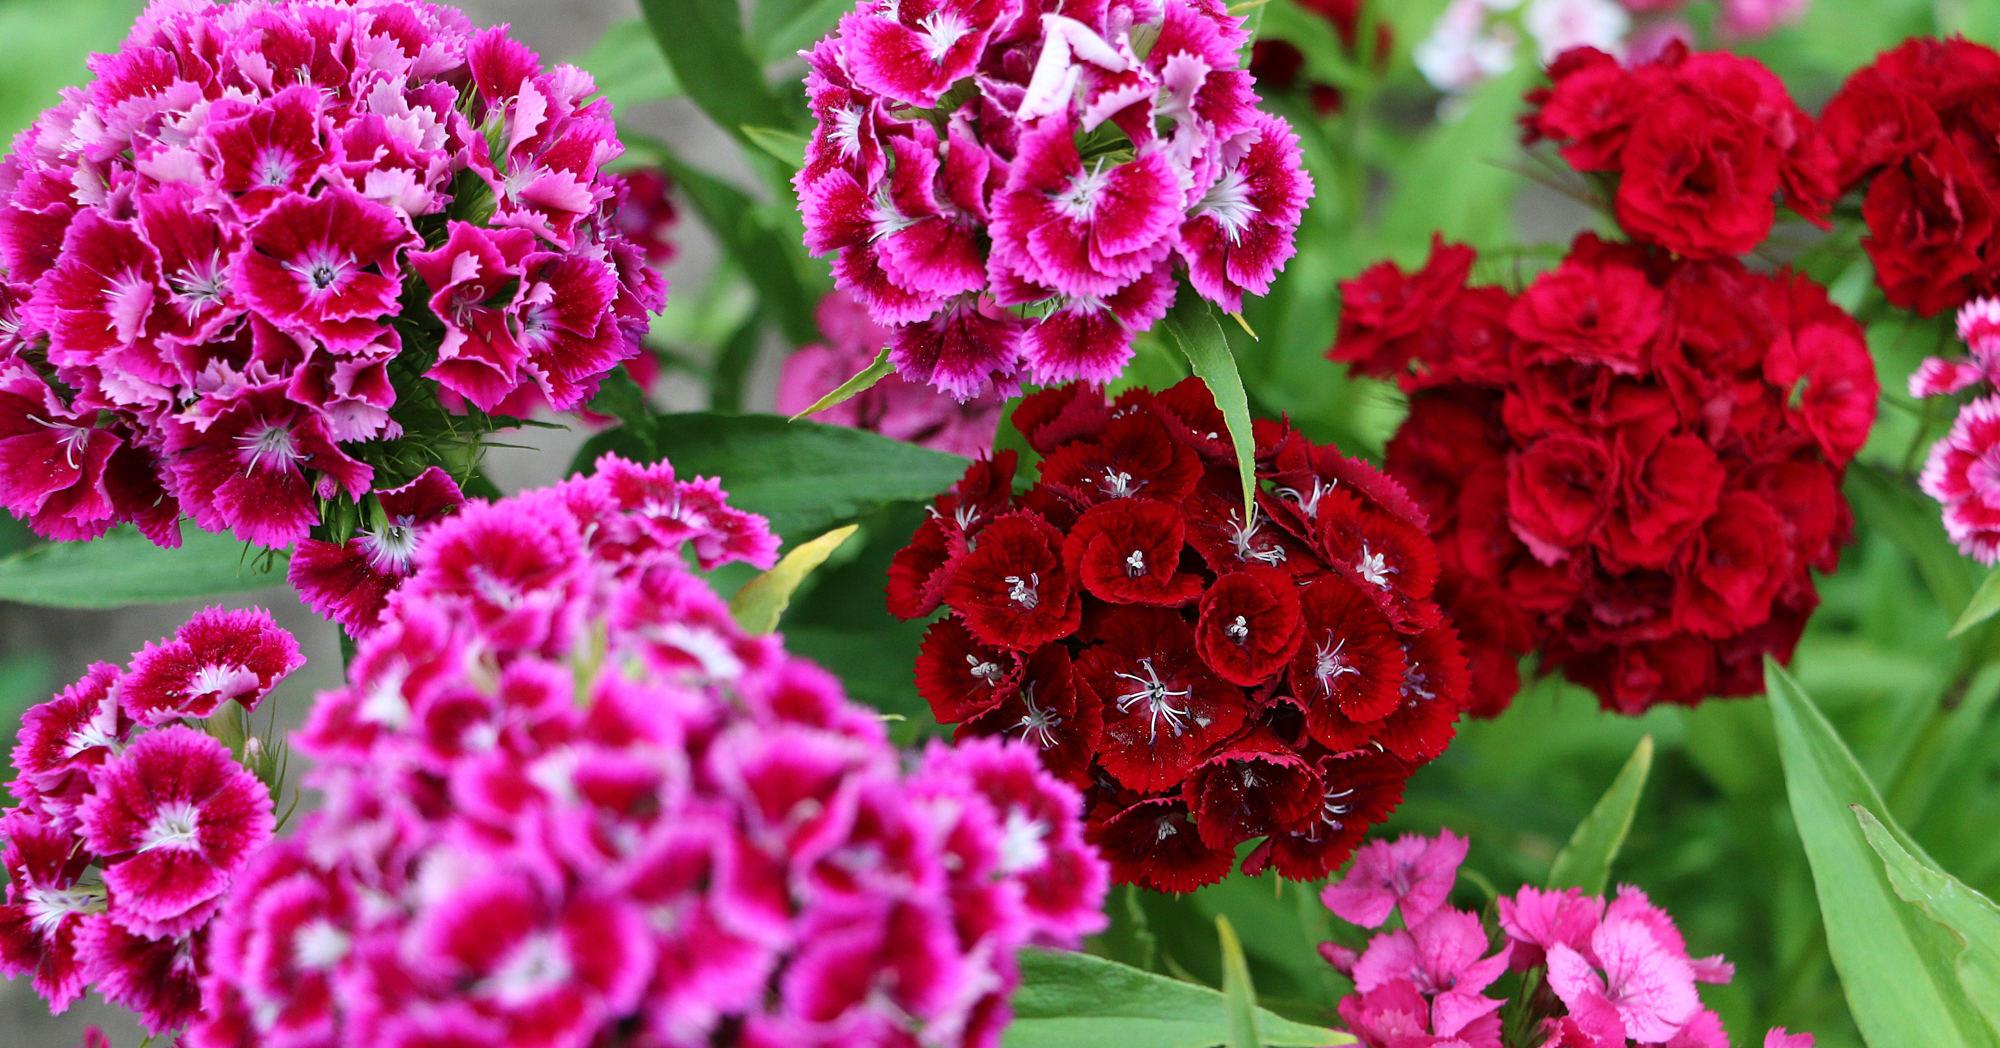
(246, 469)
(44, 907)
(271, 150)
(71, 734)
(350, 582)
(174, 816)
(1412, 872)
(480, 357)
(914, 52)
(1747, 19)
(1082, 229)
(97, 304)
(1779, 1038)
(157, 979)
(53, 460)
(1963, 472)
(1442, 956)
(1535, 920)
(1650, 984)
(214, 657)
(1238, 235)
(325, 267)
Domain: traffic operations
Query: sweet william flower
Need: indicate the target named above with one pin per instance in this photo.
(1214, 681)
(214, 657)
(1075, 164)
(567, 799)
(1412, 875)
(350, 582)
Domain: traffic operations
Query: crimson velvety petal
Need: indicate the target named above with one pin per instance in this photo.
(1163, 708)
(959, 675)
(1013, 589)
(1250, 624)
(1436, 687)
(1256, 784)
(1357, 790)
(1349, 666)
(1154, 844)
(1051, 709)
(1136, 456)
(1128, 551)
(1389, 557)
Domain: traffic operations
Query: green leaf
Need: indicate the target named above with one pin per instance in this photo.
(628, 66)
(704, 45)
(1984, 604)
(1195, 329)
(1074, 1000)
(785, 146)
(124, 567)
(770, 258)
(1237, 990)
(762, 601)
(620, 397)
(731, 373)
(1897, 967)
(804, 476)
(1969, 916)
(853, 387)
(1912, 521)
(1461, 182)
(783, 36)
(1585, 862)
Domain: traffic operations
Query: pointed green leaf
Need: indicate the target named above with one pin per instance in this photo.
(853, 387)
(1585, 862)
(704, 44)
(1984, 604)
(762, 601)
(1074, 1000)
(805, 477)
(1236, 987)
(1912, 522)
(786, 146)
(1968, 915)
(621, 398)
(1195, 329)
(125, 568)
(1897, 967)
(782, 30)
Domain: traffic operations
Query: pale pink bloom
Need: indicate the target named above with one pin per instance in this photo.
(1963, 472)
(1745, 19)
(1650, 984)
(1779, 1038)
(1412, 872)
(1535, 920)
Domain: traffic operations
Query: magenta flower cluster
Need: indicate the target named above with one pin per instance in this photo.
(1963, 472)
(1600, 974)
(1011, 190)
(275, 235)
(569, 803)
(131, 825)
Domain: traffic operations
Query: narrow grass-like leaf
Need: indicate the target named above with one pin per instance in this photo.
(1240, 995)
(1585, 862)
(1984, 605)
(1075, 1000)
(853, 387)
(1898, 968)
(629, 68)
(1968, 915)
(1912, 522)
(124, 568)
(785, 146)
(762, 601)
(704, 44)
(1194, 328)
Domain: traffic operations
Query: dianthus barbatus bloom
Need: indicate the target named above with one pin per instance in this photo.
(570, 803)
(1010, 190)
(255, 263)
(1963, 471)
(1633, 466)
(1211, 680)
(132, 826)
(1618, 974)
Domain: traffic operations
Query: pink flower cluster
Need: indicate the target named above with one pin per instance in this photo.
(1009, 188)
(894, 407)
(1613, 974)
(132, 824)
(569, 803)
(275, 236)
(1963, 471)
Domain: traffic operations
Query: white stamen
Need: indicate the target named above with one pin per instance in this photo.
(1037, 723)
(1238, 631)
(1079, 201)
(940, 30)
(539, 964)
(1329, 665)
(1119, 485)
(987, 673)
(1025, 593)
(1228, 202)
(1135, 565)
(394, 548)
(1021, 842)
(175, 825)
(318, 945)
(273, 442)
(1155, 693)
(1374, 567)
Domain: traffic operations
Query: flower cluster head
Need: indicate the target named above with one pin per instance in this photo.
(1632, 466)
(262, 261)
(1960, 471)
(569, 802)
(1921, 129)
(132, 823)
(894, 407)
(1703, 145)
(1209, 679)
(1010, 189)
(1615, 973)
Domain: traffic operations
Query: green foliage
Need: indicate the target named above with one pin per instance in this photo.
(47, 42)
(708, 53)
(763, 600)
(1193, 326)
(1239, 996)
(124, 568)
(1585, 862)
(1969, 916)
(629, 68)
(1897, 966)
(1074, 1000)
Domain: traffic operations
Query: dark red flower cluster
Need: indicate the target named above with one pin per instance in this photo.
(1703, 144)
(1632, 466)
(1208, 680)
(1922, 127)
